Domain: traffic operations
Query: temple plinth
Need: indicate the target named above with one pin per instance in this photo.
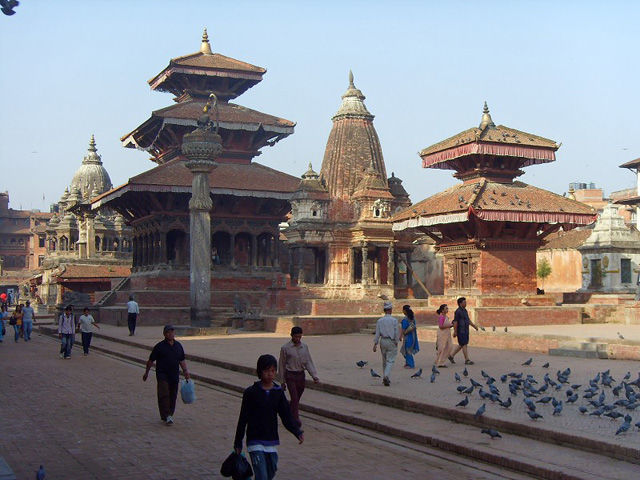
(489, 227)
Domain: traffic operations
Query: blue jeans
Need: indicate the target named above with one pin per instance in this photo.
(28, 328)
(67, 344)
(86, 341)
(17, 329)
(265, 464)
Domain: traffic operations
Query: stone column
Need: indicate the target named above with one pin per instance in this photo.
(232, 247)
(254, 252)
(201, 147)
(391, 264)
(365, 273)
(91, 235)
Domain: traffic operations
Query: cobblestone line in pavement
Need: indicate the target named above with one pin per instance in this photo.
(93, 418)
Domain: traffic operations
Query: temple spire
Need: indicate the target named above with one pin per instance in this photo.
(351, 84)
(486, 118)
(92, 144)
(205, 47)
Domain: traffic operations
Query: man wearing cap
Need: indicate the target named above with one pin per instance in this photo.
(388, 335)
(169, 356)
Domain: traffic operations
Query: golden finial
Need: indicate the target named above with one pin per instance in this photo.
(486, 118)
(205, 47)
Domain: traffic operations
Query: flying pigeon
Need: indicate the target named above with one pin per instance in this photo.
(492, 433)
(463, 403)
(361, 363)
(374, 374)
(7, 8)
(546, 365)
(417, 374)
(534, 415)
(528, 362)
(480, 411)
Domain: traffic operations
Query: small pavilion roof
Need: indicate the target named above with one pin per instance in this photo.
(631, 164)
(490, 139)
(493, 201)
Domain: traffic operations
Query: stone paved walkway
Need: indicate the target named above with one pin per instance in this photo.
(93, 418)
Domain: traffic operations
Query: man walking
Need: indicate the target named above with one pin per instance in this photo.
(66, 330)
(388, 335)
(461, 322)
(169, 356)
(28, 317)
(294, 360)
(132, 315)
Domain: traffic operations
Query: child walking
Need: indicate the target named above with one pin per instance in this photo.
(261, 404)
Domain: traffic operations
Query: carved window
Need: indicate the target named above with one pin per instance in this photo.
(625, 270)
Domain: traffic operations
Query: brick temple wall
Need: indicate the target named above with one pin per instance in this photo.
(506, 272)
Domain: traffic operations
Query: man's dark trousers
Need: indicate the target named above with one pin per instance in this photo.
(295, 384)
(167, 395)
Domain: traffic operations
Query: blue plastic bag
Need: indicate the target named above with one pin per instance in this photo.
(188, 391)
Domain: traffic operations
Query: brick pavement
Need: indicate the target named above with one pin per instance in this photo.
(93, 417)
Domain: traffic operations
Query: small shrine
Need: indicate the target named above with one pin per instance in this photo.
(340, 233)
(489, 227)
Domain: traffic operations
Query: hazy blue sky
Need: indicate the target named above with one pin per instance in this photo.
(566, 70)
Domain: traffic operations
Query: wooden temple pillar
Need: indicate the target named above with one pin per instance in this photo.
(391, 264)
(365, 269)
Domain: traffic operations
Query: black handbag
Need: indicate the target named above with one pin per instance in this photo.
(237, 467)
(13, 320)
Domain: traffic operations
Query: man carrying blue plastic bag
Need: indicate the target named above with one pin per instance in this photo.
(168, 356)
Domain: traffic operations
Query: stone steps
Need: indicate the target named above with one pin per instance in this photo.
(581, 350)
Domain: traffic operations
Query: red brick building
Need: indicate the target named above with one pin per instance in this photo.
(489, 227)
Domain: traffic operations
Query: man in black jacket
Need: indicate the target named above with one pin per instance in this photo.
(262, 403)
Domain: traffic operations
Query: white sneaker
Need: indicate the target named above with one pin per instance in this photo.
(61, 355)
(169, 420)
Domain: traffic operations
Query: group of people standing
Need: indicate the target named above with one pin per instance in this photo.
(21, 319)
(389, 333)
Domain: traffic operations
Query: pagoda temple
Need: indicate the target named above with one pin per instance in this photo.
(489, 227)
(340, 232)
(249, 200)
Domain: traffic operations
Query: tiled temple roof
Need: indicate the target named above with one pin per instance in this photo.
(227, 178)
(496, 201)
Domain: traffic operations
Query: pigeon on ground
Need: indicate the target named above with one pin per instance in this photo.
(627, 376)
(461, 388)
(434, 370)
(456, 375)
(534, 415)
(469, 390)
(620, 336)
(433, 377)
(572, 398)
(492, 433)
(40, 473)
(558, 409)
(545, 400)
(480, 411)
(482, 328)
(484, 374)
(474, 383)
(528, 362)
(582, 409)
(546, 365)
(494, 328)
(506, 329)
(624, 427)
(637, 424)
(613, 415)
(506, 404)
(417, 374)
(555, 402)
(598, 412)
(503, 378)
(374, 374)
(465, 372)
(361, 363)
(463, 403)
(575, 386)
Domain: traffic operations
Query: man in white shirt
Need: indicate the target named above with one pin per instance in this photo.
(66, 330)
(132, 315)
(388, 335)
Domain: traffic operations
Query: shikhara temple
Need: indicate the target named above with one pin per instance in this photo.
(340, 234)
(489, 227)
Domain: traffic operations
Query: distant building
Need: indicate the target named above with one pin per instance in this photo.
(22, 237)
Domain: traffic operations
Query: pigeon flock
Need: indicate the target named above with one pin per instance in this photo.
(547, 397)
